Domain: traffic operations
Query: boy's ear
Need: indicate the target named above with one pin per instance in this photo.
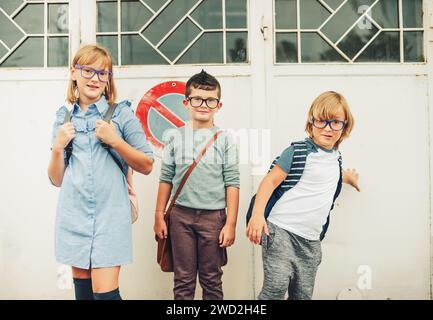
(185, 102)
(220, 105)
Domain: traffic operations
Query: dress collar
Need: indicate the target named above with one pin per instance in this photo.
(101, 106)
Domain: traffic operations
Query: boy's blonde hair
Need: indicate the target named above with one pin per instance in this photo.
(87, 55)
(325, 107)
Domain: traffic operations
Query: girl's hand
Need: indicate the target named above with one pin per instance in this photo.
(350, 176)
(106, 132)
(227, 236)
(160, 228)
(255, 227)
(65, 133)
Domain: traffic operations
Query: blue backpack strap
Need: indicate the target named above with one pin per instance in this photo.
(337, 193)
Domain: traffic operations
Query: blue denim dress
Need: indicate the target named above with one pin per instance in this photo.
(93, 221)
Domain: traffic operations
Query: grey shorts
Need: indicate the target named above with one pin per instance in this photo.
(290, 264)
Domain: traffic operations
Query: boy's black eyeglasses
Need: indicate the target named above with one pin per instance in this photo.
(88, 73)
(336, 125)
(197, 102)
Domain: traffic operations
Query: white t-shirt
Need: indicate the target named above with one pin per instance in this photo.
(304, 209)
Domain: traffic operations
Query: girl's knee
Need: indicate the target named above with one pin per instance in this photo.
(79, 273)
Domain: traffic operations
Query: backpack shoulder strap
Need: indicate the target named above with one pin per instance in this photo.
(68, 148)
(107, 118)
(67, 117)
(109, 114)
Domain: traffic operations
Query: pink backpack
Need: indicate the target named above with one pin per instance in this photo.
(132, 195)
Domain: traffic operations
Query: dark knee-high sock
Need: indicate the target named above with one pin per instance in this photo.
(83, 289)
(112, 295)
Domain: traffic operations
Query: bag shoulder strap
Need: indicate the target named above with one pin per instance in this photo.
(107, 118)
(189, 171)
(68, 148)
(67, 117)
(109, 114)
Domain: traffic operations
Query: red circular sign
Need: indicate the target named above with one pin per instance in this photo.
(161, 108)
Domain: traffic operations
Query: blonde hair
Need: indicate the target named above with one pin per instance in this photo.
(87, 55)
(325, 107)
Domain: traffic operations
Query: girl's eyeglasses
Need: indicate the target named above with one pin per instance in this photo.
(336, 125)
(197, 102)
(88, 73)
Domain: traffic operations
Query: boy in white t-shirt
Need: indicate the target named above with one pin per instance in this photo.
(291, 248)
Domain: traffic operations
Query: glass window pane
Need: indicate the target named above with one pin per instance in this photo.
(9, 33)
(345, 18)
(413, 47)
(385, 48)
(167, 20)
(31, 18)
(334, 4)
(135, 50)
(209, 14)
(107, 16)
(286, 47)
(3, 51)
(109, 42)
(155, 4)
(58, 51)
(385, 13)
(237, 47)
(134, 15)
(412, 13)
(10, 5)
(29, 54)
(236, 14)
(316, 49)
(285, 14)
(58, 18)
(313, 14)
(179, 39)
(208, 49)
(356, 39)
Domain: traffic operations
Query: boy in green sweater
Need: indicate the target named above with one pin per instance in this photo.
(200, 230)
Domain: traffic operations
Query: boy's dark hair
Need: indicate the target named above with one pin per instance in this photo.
(204, 81)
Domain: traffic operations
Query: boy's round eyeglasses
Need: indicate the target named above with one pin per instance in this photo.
(197, 102)
(88, 73)
(336, 125)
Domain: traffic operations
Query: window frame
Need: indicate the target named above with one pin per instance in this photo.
(71, 35)
(400, 29)
(222, 30)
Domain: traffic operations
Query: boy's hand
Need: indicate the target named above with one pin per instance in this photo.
(65, 133)
(350, 176)
(227, 236)
(160, 228)
(106, 132)
(255, 227)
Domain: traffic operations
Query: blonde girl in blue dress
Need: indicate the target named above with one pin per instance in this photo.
(93, 231)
